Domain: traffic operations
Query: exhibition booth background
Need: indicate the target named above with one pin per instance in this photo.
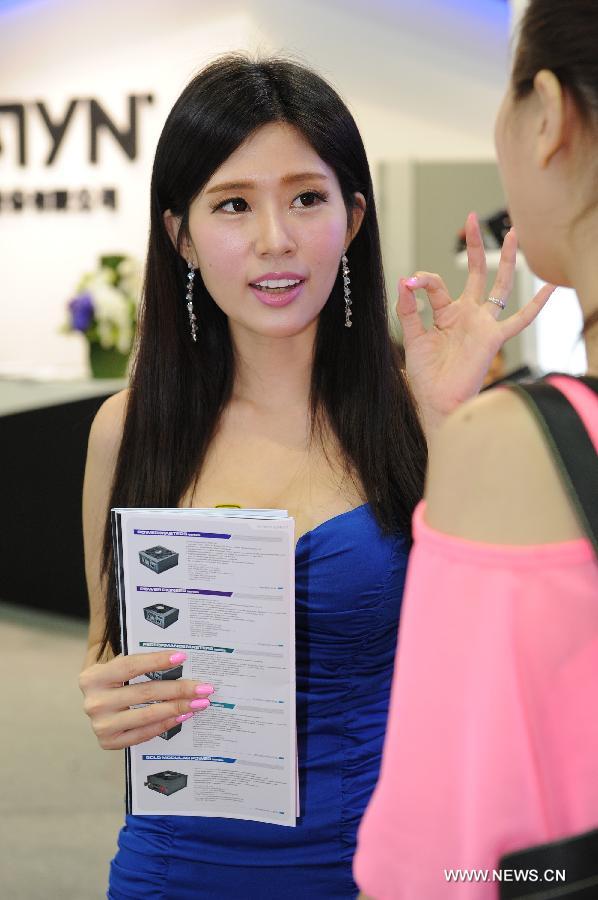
(85, 89)
(423, 80)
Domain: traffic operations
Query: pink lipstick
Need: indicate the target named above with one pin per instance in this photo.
(277, 288)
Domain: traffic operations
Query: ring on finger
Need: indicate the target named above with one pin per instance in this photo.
(497, 301)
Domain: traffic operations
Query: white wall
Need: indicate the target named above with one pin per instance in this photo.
(517, 9)
(422, 79)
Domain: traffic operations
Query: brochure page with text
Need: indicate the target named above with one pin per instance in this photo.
(220, 585)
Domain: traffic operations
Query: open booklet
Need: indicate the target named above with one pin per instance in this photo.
(220, 585)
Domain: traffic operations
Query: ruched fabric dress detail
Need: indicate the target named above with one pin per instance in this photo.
(349, 580)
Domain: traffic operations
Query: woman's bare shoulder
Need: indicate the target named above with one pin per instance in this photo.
(107, 427)
(491, 477)
(102, 452)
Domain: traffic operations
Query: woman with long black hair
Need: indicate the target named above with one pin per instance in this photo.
(265, 376)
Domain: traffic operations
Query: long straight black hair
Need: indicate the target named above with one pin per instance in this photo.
(180, 388)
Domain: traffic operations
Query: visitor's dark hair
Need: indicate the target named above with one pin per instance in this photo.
(562, 37)
(179, 389)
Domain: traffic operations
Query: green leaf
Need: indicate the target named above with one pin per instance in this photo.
(111, 262)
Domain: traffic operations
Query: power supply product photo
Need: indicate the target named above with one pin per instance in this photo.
(158, 559)
(166, 674)
(167, 735)
(161, 615)
(166, 782)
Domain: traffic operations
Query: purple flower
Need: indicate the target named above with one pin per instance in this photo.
(82, 311)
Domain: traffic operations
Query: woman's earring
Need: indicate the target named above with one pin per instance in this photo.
(347, 291)
(189, 299)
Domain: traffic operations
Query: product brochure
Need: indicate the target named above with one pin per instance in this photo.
(220, 585)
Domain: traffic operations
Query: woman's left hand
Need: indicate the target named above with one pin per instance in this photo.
(447, 364)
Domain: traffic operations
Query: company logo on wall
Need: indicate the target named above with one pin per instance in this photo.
(67, 198)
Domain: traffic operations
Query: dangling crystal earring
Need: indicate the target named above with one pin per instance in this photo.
(347, 291)
(189, 299)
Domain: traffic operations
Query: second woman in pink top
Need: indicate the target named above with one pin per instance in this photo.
(492, 743)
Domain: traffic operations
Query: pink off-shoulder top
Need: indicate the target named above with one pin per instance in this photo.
(492, 740)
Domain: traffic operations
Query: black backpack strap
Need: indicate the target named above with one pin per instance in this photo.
(570, 446)
(573, 861)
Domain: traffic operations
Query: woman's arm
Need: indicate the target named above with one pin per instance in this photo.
(102, 452)
(110, 703)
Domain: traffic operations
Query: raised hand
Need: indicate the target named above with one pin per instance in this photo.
(446, 365)
(117, 717)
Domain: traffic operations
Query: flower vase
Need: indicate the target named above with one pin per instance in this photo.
(107, 363)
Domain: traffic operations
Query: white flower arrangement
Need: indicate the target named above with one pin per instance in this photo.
(105, 306)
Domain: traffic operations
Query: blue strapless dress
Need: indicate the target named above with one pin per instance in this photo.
(349, 584)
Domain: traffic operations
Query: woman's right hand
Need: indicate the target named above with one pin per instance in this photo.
(109, 701)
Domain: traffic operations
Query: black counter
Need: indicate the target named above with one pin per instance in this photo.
(42, 462)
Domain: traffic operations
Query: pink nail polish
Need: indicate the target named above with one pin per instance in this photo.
(199, 704)
(204, 689)
(184, 717)
(178, 657)
(412, 282)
